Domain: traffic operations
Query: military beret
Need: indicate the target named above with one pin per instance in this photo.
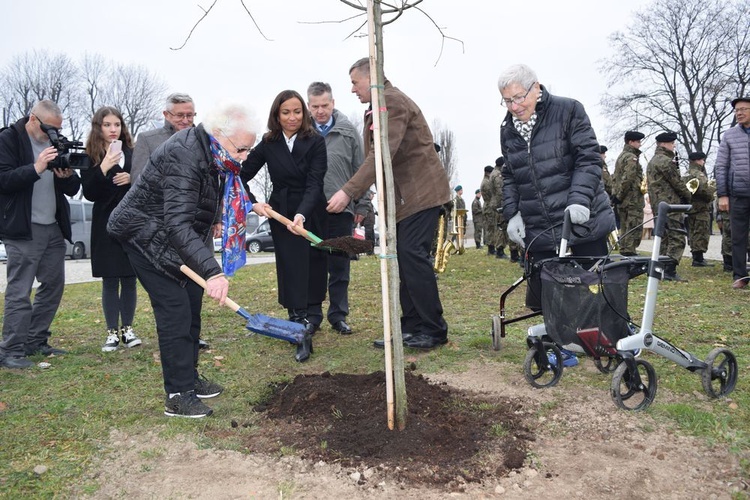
(500, 162)
(488, 168)
(458, 188)
(666, 137)
(602, 149)
(740, 99)
(697, 155)
(633, 135)
(477, 191)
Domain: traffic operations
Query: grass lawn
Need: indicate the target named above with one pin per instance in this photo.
(61, 416)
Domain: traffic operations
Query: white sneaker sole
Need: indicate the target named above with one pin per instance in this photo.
(109, 349)
(170, 414)
(133, 343)
(208, 396)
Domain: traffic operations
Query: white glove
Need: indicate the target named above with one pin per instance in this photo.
(517, 229)
(578, 213)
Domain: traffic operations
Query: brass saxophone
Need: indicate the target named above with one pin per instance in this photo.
(444, 247)
(459, 229)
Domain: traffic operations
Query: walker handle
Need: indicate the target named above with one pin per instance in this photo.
(663, 209)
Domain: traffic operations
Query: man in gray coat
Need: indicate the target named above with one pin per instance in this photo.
(344, 147)
(733, 186)
(179, 114)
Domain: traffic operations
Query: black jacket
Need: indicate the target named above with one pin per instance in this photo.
(17, 178)
(167, 215)
(561, 166)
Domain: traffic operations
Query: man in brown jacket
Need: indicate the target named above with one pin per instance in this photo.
(421, 187)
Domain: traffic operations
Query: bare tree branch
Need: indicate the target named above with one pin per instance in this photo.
(190, 34)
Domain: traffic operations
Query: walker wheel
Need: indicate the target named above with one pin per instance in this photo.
(606, 364)
(496, 332)
(543, 369)
(629, 393)
(720, 376)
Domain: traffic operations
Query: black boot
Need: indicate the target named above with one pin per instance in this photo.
(304, 349)
(514, 255)
(490, 249)
(727, 263)
(670, 273)
(699, 261)
(500, 253)
(478, 245)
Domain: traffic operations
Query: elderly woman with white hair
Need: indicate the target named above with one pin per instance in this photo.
(191, 185)
(552, 165)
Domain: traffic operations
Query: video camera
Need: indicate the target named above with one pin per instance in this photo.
(70, 154)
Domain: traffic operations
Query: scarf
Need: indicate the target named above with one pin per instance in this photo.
(236, 204)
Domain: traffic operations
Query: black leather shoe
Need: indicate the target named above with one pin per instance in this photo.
(44, 349)
(702, 263)
(16, 362)
(380, 343)
(304, 349)
(342, 327)
(311, 328)
(425, 342)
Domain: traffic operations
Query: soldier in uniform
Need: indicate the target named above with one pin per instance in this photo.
(459, 204)
(699, 217)
(627, 194)
(476, 216)
(666, 184)
(606, 176)
(496, 203)
(488, 214)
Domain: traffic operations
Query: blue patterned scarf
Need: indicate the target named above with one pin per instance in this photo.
(236, 205)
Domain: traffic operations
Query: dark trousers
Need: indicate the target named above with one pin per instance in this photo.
(26, 325)
(338, 268)
(739, 218)
(421, 310)
(177, 312)
(534, 285)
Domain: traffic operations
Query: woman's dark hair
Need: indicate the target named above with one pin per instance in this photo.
(97, 144)
(274, 124)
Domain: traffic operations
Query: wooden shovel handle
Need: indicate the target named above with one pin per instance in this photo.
(200, 281)
(299, 230)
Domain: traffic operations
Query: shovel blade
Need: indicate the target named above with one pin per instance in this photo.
(277, 328)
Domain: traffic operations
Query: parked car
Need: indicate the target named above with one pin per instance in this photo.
(260, 240)
(3, 255)
(80, 224)
(251, 224)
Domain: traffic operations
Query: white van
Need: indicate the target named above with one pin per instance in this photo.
(80, 224)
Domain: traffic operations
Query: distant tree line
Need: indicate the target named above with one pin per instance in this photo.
(677, 67)
(80, 88)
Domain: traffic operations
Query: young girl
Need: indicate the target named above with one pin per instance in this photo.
(106, 184)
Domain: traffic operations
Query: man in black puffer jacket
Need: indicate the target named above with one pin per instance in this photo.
(166, 220)
(552, 165)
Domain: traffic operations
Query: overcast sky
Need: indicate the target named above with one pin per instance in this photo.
(228, 60)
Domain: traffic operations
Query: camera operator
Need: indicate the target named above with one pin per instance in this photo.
(34, 224)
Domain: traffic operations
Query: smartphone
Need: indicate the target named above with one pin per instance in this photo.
(115, 146)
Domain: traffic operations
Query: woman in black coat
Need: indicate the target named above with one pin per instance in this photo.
(552, 166)
(106, 184)
(296, 157)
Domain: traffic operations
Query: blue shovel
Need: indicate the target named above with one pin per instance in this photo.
(258, 323)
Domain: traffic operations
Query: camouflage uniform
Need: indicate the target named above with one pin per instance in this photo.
(476, 216)
(699, 217)
(627, 190)
(666, 184)
(607, 179)
(496, 202)
(488, 215)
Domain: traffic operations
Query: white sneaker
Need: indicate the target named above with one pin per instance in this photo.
(129, 338)
(113, 340)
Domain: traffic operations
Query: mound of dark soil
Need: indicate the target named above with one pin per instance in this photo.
(451, 437)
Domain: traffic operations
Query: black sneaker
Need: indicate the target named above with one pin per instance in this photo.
(202, 344)
(186, 405)
(45, 350)
(206, 389)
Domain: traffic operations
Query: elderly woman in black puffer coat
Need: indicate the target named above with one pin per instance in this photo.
(552, 165)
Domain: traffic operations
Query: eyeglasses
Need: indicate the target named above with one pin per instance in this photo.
(741, 110)
(517, 99)
(182, 116)
(239, 150)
